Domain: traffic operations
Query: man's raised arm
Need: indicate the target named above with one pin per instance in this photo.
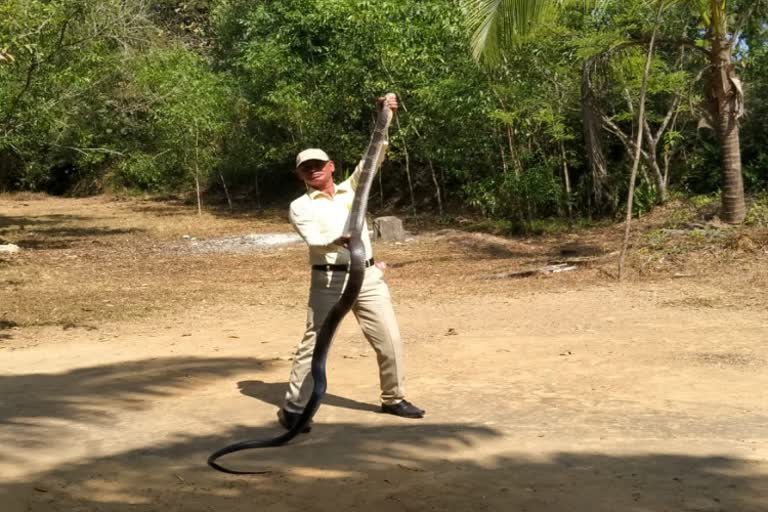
(391, 102)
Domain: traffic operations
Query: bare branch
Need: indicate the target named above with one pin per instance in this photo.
(668, 118)
(741, 21)
(623, 137)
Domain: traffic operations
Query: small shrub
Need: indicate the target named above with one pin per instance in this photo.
(758, 213)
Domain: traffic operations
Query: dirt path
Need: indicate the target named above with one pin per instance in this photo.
(586, 397)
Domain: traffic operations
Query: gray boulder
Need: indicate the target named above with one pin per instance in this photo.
(388, 229)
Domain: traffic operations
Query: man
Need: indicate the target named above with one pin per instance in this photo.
(320, 216)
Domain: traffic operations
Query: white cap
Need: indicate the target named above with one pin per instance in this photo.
(311, 154)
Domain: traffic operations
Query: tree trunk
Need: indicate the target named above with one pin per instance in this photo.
(442, 184)
(257, 190)
(197, 177)
(408, 175)
(658, 174)
(639, 142)
(197, 187)
(504, 165)
(566, 179)
(226, 190)
(725, 102)
(563, 154)
(602, 189)
(662, 196)
(734, 209)
(725, 99)
(516, 163)
(437, 187)
(407, 169)
(503, 153)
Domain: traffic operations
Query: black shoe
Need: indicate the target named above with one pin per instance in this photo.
(403, 408)
(288, 419)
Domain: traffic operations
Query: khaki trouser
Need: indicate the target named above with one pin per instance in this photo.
(376, 317)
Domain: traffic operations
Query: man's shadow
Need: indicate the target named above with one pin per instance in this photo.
(274, 392)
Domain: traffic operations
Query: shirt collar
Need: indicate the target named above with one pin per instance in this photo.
(313, 193)
(345, 186)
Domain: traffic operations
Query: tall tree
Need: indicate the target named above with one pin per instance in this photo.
(725, 94)
(640, 133)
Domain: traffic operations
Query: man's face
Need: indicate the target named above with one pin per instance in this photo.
(316, 173)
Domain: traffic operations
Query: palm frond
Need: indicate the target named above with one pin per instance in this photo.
(499, 24)
(705, 8)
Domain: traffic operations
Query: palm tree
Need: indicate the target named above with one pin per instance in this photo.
(724, 103)
(496, 24)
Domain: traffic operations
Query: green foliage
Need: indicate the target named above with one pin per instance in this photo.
(755, 134)
(59, 78)
(523, 197)
(144, 172)
(645, 199)
(758, 212)
(701, 201)
(186, 110)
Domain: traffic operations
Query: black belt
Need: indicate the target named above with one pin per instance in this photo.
(339, 268)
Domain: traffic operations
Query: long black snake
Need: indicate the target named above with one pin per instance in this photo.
(343, 305)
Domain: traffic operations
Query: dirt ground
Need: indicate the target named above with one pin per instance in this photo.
(126, 358)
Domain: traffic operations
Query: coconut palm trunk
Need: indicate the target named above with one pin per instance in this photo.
(725, 99)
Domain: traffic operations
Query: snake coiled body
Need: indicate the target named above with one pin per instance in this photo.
(343, 305)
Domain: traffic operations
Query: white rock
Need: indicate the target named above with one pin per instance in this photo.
(9, 248)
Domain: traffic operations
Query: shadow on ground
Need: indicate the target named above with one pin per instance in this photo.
(26, 221)
(31, 404)
(46, 232)
(273, 393)
(6, 325)
(396, 464)
(244, 211)
(417, 466)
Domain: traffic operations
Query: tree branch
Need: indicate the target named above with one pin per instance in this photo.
(85, 151)
(669, 116)
(623, 137)
(680, 43)
(31, 71)
(740, 22)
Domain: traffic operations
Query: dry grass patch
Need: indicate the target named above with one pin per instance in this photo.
(89, 261)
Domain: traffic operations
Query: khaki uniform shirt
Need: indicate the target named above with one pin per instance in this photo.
(320, 219)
